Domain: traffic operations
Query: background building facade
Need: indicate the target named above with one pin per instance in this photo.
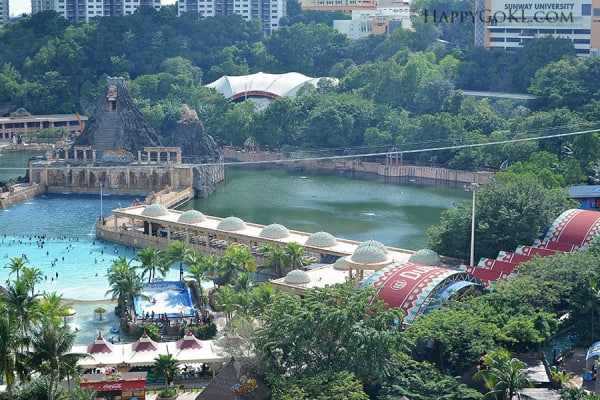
(508, 24)
(383, 18)
(84, 10)
(4, 12)
(269, 12)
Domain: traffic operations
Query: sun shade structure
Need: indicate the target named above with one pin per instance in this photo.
(189, 341)
(274, 231)
(192, 217)
(321, 239)
(263, 85)
(155, 210)
(231, 224)
(340, 264)
(145, 343)
(416, 288)
(576, 227)
(99, 346)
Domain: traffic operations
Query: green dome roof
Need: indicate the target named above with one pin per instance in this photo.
(231, 224)
(155, 210)
(191, 217)
(296, 277)
(274, 231)
(321, 239)
(425, 257)
(374, 243)
(340, 264)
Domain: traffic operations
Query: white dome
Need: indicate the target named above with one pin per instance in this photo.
(231, 224)
(155, 210)
(274, 231)
(191, 217)
(321, 239)
(425, 257)
(297, 277)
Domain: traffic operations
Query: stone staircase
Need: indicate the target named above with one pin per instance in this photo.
(105, 136)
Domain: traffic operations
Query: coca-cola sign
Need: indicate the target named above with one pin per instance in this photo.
(108, 386)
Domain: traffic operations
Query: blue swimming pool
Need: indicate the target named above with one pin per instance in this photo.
(171, 298)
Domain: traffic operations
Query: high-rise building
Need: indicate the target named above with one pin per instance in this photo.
(84, 10)
(508, 24)
(4, 12)
(268, 11)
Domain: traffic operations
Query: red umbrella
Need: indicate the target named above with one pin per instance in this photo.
(100, 346)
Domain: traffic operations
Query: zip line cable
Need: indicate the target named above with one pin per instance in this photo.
(347, 156)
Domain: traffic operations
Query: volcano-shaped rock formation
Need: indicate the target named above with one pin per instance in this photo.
(197, 147)
(117, 124)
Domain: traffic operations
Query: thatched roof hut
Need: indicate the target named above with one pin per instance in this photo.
(234, 376)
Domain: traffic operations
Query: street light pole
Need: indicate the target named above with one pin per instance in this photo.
(473, 188)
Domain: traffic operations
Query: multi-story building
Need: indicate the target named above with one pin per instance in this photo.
(384, 18)
(269, 12)
(338, 5)
(4, 12)
(508, 24)
(85, 10)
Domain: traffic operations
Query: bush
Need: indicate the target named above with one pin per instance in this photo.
(202, 332)
(166, 393)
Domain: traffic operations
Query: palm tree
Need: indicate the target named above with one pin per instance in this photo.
(9, 342)
(294, 255)
(200, 267)
(177, 251)
(226, 298)
(235, 259)
(50, 342)
(20, 304)
(31, 277)
(261, 297)
(503, 375)
(274, 258)
(167, 366)
(123, 281)
(51, 306)
(152, 261)
(16, 264)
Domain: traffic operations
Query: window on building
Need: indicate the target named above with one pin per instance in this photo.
(581, 41)
(547, 31)
(513, 30)
(586, 10)
(497, 30)
(582, 51)
(596, 12)
(497, 39)
(564, 31)
(581, 31)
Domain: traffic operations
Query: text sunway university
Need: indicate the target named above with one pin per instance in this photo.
(539, 6)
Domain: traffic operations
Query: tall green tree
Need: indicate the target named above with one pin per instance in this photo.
(510, 210)
(354, 334)
(152, 261)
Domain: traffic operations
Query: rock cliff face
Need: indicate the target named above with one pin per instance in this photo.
(196, 146)
(117, 123)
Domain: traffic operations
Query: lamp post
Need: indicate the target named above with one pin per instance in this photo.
(101, 206)
(473, 188)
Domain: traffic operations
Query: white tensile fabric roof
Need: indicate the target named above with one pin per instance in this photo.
(272, 85)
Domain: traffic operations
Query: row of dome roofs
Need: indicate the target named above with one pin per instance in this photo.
(232, 224)
(421, 257)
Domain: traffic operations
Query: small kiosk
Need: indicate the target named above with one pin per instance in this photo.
(117, 385)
